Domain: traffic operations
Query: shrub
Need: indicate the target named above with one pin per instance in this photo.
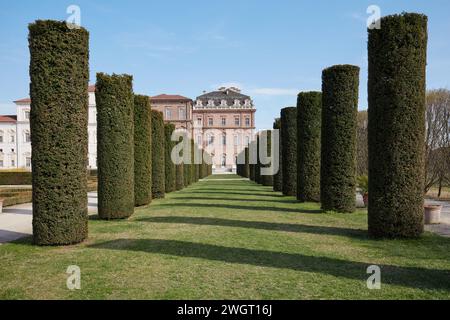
(115, 145)
(15, 178)
(252, 160)
(179, 173)
(192, 164)
(338, 147)
(59, 73)
(170, 166)
(142, 151)
(246, 166)
(289, 150)
(278, 176)
(258, 162)
(187, 168)
(158, 156)
(396, 87)
(309, 119)
(267, 180)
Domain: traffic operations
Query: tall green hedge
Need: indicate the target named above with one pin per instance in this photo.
(397, 62)
(258, 161)
(278, 176)
(142, 151)
(289, 150)
(267, 180)
(338, 147)
(179, 173)
(158, 156)
(192, 165)
(252, 151)
(309, 119)
(170, 174)
(115, 145)
(59, 73)
(187, 167)
(246, 166)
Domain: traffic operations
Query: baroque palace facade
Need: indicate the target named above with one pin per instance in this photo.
(221, 121)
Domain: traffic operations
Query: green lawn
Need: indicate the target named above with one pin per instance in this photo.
(229, 240)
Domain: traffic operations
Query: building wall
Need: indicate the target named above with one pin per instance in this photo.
(178, 113)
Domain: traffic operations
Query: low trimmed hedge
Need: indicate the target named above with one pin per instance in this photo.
(15, 178)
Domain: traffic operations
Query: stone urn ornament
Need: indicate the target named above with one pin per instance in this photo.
(432, 214)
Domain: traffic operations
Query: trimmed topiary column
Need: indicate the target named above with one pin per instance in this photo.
(246, 166)
(309, 119)
(278, 176)
(59, 73)
(186, 166)
(115, 145)
(252, 158)
(179, 173)
(258, 162)
(397, 125)
(338, 147)
(158, 156)
(142, 151)
(169, 128)
(288, 139)
(267, 180)
(192, 165)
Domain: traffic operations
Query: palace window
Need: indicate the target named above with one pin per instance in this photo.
(237, 121)
(27, 136)
(27, 115)
(210, 121)
(224, 140)
(224, 121)
(28, 162)
(210, 138)
(13, 138)
(168, 114)
(199, 140)
(182, 114)
(247, 140)
(224, 160)
(199, 121)
(236, 140)
(13, 163)
(247, 122)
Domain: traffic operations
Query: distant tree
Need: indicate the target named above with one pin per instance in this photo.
(437, 139)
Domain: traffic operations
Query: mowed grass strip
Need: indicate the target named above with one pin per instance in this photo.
(231, 239)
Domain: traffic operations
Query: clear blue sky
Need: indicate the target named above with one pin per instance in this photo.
(272, 49)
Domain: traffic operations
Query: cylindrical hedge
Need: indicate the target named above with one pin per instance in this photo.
(397, 63)
(59, 73)
(115, 145)
(246, 166)
(142, 151)
(338, 146)
(267, 180)
(170, 166)
(309, 119)
(258, 162)
(252, 157)
(278, 176)
(289, 150)
(192, 166)
(186, 165)
(179, 173)
(158, 155)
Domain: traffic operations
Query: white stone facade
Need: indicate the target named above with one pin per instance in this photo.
(15, 143)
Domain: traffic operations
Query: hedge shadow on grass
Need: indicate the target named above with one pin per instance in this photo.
(239, 207)
(262, 225)
(412, 277)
